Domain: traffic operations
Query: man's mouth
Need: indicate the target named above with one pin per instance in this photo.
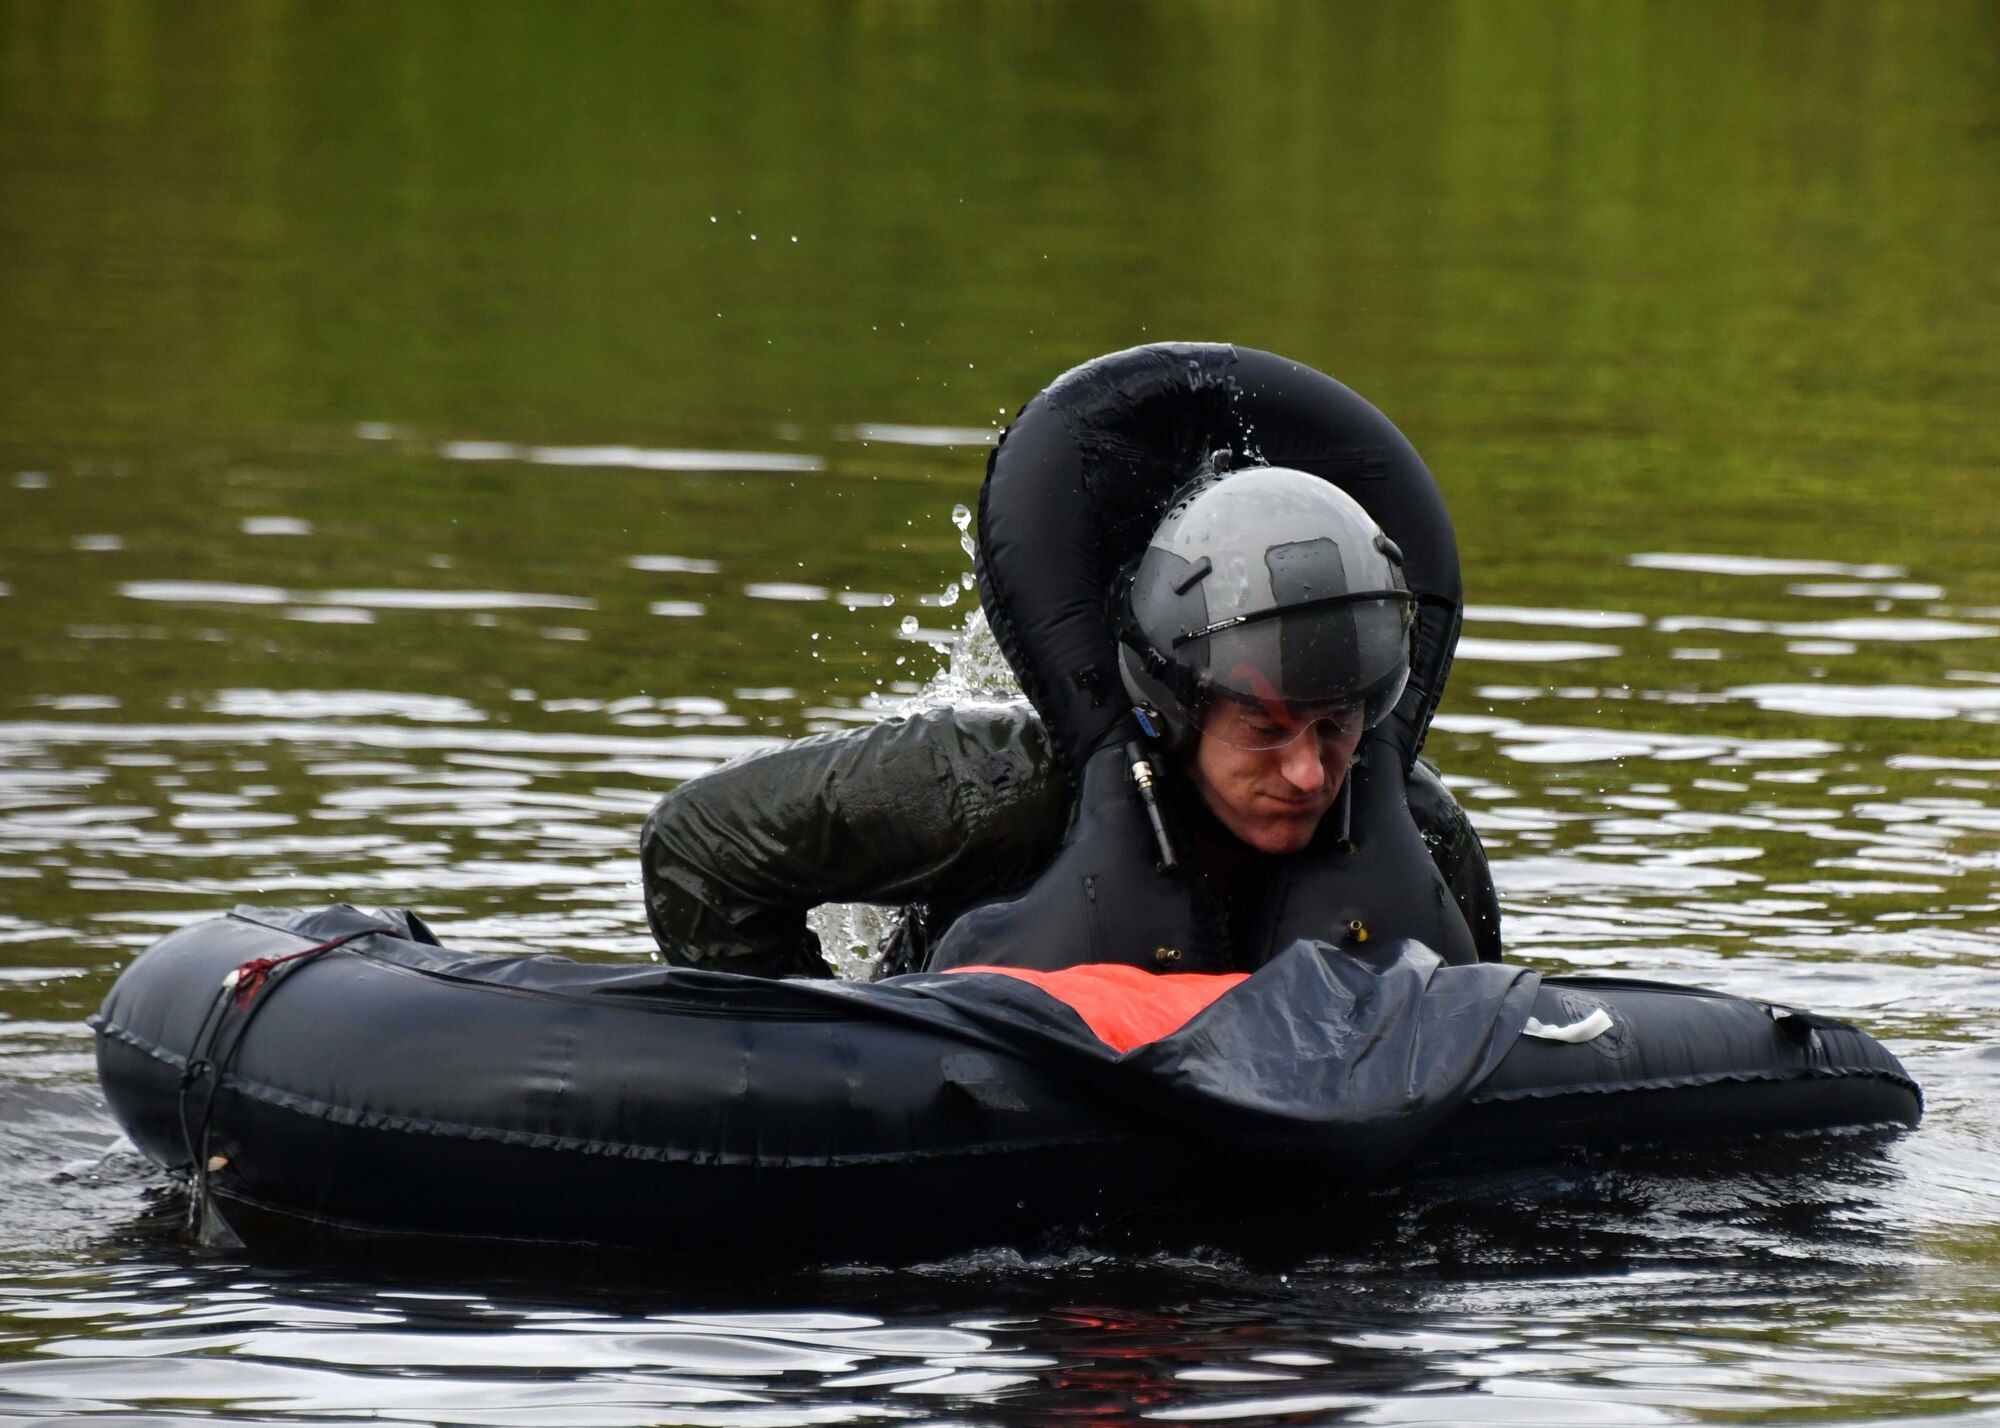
(1294, 801)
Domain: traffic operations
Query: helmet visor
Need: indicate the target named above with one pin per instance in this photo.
(1259, 680)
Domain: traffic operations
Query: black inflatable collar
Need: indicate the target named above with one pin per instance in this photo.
(1082, 477)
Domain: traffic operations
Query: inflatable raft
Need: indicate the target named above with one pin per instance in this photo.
(318, 1075)
(333, 1073)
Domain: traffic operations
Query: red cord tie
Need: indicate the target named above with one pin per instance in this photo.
(249, 977)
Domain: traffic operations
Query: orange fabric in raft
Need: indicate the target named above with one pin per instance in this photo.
(1125, 1006)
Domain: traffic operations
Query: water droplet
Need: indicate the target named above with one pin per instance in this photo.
(908, 627)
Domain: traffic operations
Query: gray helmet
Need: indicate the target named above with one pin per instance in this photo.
(1267, 594)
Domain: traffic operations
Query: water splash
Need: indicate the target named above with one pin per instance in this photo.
(961, 516)
(973, 672)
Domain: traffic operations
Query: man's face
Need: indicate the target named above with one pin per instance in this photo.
(1273, 799)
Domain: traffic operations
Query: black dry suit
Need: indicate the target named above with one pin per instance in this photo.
(954, 808)
(973, 810)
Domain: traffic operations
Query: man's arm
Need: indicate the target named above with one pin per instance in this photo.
(962, 804)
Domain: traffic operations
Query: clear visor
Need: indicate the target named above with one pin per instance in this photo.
(1337, 665)
(1273, 724)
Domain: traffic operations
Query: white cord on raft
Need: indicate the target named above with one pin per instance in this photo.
(1577, 1032)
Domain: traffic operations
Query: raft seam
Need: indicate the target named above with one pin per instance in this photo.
(613, 1150)
(1690, 1080)
(132, 1039)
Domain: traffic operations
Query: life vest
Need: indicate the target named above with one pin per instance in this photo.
(1356, 885)
(1365, 879)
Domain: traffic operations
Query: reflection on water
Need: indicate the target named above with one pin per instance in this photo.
(1759, 565)
(195, 592)
(1607, 1298)
(628, 456)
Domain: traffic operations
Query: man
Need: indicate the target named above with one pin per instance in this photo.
(1262, 635)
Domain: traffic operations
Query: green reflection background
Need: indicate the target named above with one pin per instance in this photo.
(1694, 223)
(1633, 276)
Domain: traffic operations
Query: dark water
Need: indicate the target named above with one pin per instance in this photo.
(429, 432)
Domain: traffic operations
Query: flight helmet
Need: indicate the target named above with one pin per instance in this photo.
(1266, 603)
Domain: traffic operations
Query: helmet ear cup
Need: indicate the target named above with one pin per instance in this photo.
(1176, 722)
(1151, 676)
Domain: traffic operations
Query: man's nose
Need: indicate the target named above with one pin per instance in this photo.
(1304, 764)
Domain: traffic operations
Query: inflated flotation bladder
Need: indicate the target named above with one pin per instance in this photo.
(1073, 491)
(1084, 474)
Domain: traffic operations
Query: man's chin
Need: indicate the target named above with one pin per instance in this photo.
(1277, 837)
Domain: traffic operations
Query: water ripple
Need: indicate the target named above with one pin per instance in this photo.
(891, 434)
(221, 592)
(632, 457)
(1759, 565)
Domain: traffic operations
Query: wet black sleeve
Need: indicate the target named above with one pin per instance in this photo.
(964, 799)
(1460, 858)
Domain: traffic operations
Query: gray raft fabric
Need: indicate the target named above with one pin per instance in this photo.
(1322, 1054)
(1344, 1059)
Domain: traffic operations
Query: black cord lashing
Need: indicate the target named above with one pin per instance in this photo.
(242, 986)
